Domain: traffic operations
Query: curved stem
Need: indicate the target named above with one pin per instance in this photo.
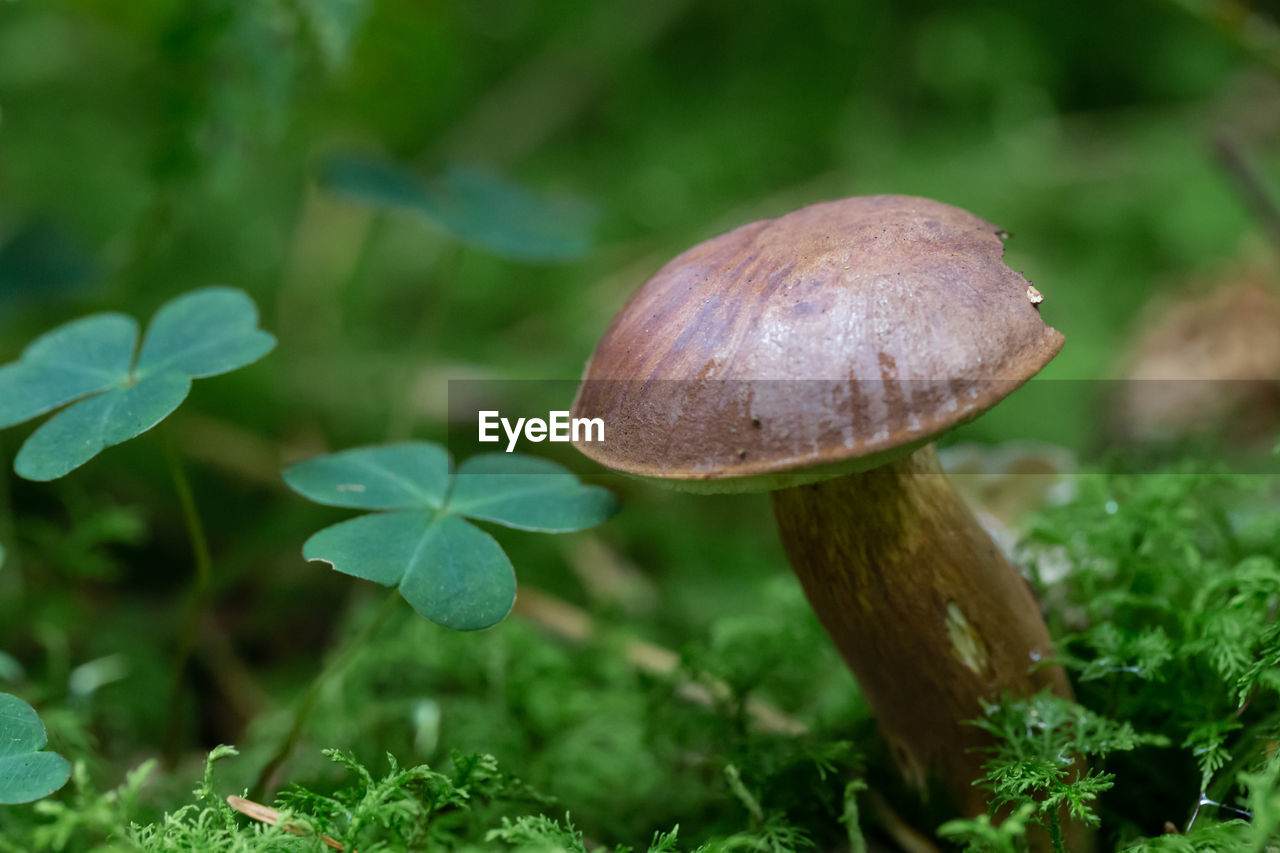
(309, 699)
(8, 541)
(1252, 186)
(200, 594)
(1055, 833)
(354, 296)
(925, 609)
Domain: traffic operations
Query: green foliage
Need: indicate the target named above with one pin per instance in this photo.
(473, 807)
(179, 142)
(466, 809)
(472, 205)
(850, 818)
(579, 725)
(27, 772)
(85, 546)
(334, 25)
(981, 834)
(89, 814)
(1228, 837)
(1167, 579)
(1262, 803)
(123, 390)
(40, 259)
(1166, 610)
(770, 831)
(451, 572)
(539, 833)
(406, 808)
(1040, 742)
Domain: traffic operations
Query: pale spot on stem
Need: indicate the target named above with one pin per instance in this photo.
(966, 645)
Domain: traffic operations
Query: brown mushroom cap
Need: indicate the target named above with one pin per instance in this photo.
(829, 340)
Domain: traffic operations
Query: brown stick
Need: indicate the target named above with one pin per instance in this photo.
(571, 623)
(270, 816)
(1251, 185)
(925, 609)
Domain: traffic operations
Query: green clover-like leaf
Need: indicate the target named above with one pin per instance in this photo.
(451, 571)
(475, 206)
(527, 493)
(203, 333)
(391, 476)
(26, 772)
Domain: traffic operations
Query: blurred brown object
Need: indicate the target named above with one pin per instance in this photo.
(1205, 363)
(271, 817)
(609, 578)
(1008, 481)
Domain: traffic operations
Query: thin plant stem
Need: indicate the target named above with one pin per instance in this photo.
(1252, 186)
(309, 699)
(354, 292)
(433, 313)
(1055, 833)
(7, 539)
(12, 581)
(200, 593)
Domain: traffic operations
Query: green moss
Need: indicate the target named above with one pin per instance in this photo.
(1162, 597)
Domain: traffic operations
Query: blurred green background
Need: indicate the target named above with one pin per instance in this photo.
(415, 192)
(151, 148)
(154, 147)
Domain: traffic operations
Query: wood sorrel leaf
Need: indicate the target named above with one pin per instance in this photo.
(26, 772)
(374, 547)
(460, 576)
(77, 434)
(376, 182)
(528, 493)
(487, 210)
(391, 476)
(202, 333)
(451, 572)
(475, 206)
(80, 358)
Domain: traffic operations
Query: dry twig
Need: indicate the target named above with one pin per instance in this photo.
(271, 817)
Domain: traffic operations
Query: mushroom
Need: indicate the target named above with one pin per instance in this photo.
(1205, 362)
(816, 356)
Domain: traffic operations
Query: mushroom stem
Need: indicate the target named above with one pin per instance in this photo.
(923, 606)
